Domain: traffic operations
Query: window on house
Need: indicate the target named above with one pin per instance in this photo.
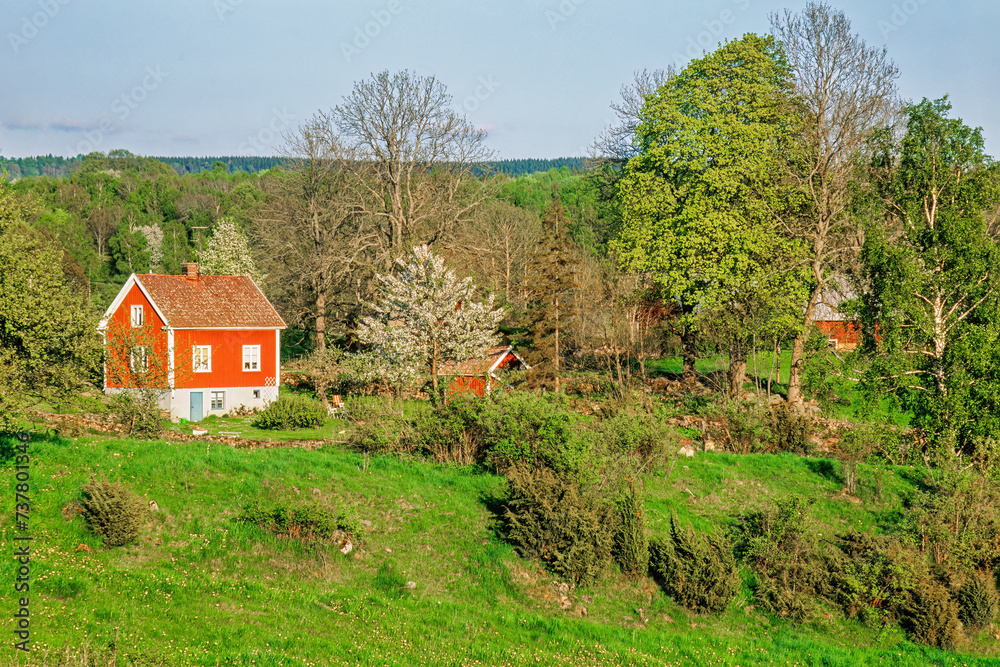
(202, 358)
(256, 393)
(832, 342)
(218, 400)
(138, 316)
(251, 357)
(139, 361)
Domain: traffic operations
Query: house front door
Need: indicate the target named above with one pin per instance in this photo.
(197, 403)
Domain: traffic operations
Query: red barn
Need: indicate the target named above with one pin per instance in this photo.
(479, 375)
(215, 338)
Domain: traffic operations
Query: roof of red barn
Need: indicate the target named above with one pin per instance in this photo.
(209, 302)
(482, 365)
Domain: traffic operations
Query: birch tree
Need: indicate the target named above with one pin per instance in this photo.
(931, 281)
(425, 315)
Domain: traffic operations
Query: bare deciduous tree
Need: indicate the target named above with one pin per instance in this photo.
(312, 239)
(419, 156)
(616, 142)
(847, 89)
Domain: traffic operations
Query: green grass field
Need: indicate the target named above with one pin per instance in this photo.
(197, 588)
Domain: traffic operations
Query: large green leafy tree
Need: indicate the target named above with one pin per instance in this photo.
(930, 311)
(48, 340)
(702, 200)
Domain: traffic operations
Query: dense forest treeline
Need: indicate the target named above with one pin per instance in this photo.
(56, 166)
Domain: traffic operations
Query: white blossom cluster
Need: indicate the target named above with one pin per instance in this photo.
(228, 253)
(425, 316)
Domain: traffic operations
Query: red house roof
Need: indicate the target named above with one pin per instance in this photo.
(205, 301)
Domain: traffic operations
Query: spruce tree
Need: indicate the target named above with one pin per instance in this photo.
(553, 282)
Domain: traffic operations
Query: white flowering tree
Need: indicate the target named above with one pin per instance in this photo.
(425, 316)
(228, 253)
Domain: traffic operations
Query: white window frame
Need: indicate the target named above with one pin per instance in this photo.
(201, 358)
(221, 397)
(138, 317)
(139, 359)
(251, 358)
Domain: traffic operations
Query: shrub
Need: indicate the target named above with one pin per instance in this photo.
(773, 543)
(871, 577)
(138, 415)
(641, 437)
(291, 412)
(699, 572)
(630, 548)
(113, 511)
(551, 518)
(298, 520)
(790, 430)
(977, 601)
(931, 616)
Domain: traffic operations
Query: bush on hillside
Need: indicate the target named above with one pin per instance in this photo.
(297, 520)
(698, 571)
(113, 511)
(553, 519)
(786, 567)
(290, 412)
(872, 576)
(930, 616)
(977, 601)
(630, 548)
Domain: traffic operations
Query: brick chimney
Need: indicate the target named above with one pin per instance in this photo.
(190, 270)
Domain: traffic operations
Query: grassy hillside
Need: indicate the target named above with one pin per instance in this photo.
(428, 583)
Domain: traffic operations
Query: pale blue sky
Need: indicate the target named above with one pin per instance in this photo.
(225, 77)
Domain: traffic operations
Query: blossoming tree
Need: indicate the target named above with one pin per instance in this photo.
(425, 315)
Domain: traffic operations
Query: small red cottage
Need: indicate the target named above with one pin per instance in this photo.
(215, 338)
(478, 376)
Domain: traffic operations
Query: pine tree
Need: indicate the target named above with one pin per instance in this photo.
(553, 282)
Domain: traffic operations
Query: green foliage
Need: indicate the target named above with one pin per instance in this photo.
(114, 512)
(871, 577)
(977, 601)
(746, 427)
(49, 344)
(930, 312)
(391, 583)
(699, 202)
(553, 519)
(698, 571)
(630, 548)
(297, 519)
(930, 616)
(137, 414)
(291, 412)
(645, 439)
(773, 543)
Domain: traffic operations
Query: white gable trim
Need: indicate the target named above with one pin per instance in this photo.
(503, 355)
(116, 304)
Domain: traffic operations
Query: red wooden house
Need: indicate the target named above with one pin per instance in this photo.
(841, 333)
(216, 337)
(478, 376)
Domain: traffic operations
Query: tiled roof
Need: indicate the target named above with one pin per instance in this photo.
(477, 366)
(210, 302)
